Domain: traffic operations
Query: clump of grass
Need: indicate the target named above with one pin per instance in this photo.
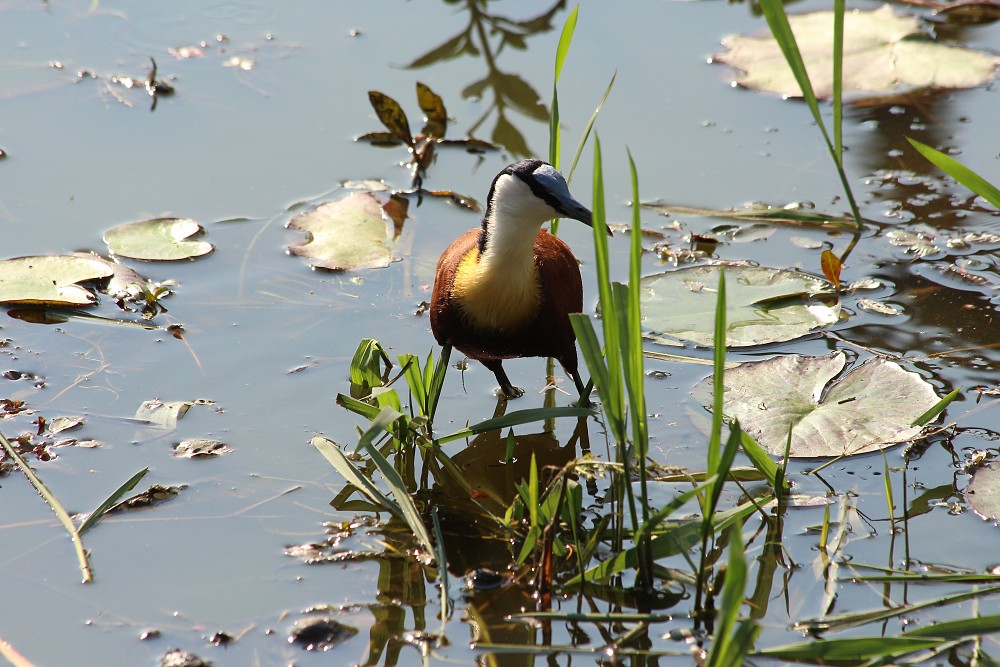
(75, 532)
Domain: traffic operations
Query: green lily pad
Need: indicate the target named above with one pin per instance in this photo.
(49, 280)
(983, 492)
(349, 233)
(763, 305)
(883, 53)
(161, 239)
(871, 406)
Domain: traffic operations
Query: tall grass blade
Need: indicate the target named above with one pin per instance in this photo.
(611, 391)
(718, 373)
(777, 20)
(565, 39)
(965, 627)
(634, 364)
(959, 172)
(588, 128)
(555, 132)
(763, 462)
(936, 409)
(838, 83)
(414, 379)
(348, 471)
(366, 410)
(850, 649)
(437, 381)
(721, 653)
(854, 619)
(721, 470)
(406, 505)
(55, 506)
(115, 496)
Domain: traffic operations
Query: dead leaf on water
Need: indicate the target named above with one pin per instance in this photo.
(873, 306)
(165, 414)
(200, 448)
(60, 424)
(883, 52)
(349, 233)
(154, 495)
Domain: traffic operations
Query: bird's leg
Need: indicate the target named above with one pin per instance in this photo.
(584, 389)
(508, 390)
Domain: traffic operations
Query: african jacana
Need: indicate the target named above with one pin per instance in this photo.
(506, 289)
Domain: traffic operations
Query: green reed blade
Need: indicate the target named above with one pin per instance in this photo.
(588, 128)
(115, 496)
(959, 172)
(350, 472)
(732, 601)
(55, 506)
(936, 409)
(850, 649)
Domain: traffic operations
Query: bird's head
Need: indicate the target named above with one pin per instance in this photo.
(529, 192)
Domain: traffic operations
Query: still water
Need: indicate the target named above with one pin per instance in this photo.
(262, 121)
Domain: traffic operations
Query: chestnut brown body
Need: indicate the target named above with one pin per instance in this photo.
(489, 329)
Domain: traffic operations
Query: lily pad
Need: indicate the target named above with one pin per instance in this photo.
(49, 280)
(871, 406)
(161, 239)
(883, 53)
(763, 305)
(349, 233)
(983, 492)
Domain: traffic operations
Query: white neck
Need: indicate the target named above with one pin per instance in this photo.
(512, 222)
(499, 289)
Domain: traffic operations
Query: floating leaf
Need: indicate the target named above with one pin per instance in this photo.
(49, 280)
(60, 424)
(391, 115)
(873, 306)
(200, 448)
(349, 233)
(129, 286)
(872, 405)
(763, 305)
(164, 414)
(790, 214)
(163, 239)
(433, 106)
(883, 53)
(831, 266)
(983, 492)
(156, 494)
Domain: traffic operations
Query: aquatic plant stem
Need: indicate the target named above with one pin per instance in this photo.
(56, 506)
(777, 20)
